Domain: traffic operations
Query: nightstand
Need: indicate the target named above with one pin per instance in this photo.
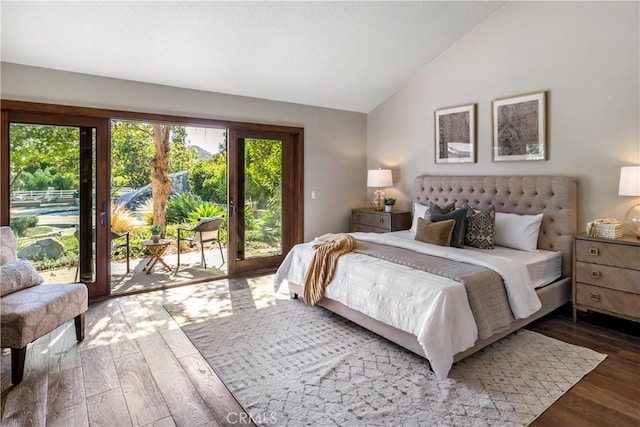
(370, 220)
(606, 276)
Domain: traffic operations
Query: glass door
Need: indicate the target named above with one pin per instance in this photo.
(256, 190)
(56, 207)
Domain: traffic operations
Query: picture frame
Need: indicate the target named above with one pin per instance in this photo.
(519, 128)
(455, 134)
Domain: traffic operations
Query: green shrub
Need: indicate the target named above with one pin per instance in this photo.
(205, 210)
(19, 224)
(180, 206)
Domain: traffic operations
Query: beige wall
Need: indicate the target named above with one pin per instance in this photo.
(335, 141)
(584, 54)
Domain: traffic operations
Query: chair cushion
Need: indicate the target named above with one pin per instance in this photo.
(17, 275)
(30, 313)
(7, 246)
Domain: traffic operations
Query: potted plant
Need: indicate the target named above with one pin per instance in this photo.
(388, 204)
(155, 233)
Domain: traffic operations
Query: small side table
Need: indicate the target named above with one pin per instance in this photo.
(156, 250)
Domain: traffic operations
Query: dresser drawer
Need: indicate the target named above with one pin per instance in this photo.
(379, 220)
(621, 279)
(604, 253)
(367, 228)
(608, 300)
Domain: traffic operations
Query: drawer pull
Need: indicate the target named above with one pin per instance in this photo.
(381, 220)
(594, 297)
(595, 274)
(594, 251)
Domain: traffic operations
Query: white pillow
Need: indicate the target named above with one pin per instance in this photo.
(419, 211)
(517, 231)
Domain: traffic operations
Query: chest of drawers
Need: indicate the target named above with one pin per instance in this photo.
(606, 276)
(369, 220)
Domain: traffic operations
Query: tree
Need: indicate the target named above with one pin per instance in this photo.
(34, 147)
(131, 153)
(160, 182)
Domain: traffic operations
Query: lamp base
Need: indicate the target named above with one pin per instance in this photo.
(378, 200)
(632, 219)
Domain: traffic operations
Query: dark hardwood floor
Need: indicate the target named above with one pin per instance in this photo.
(610, 394)
(136, 367)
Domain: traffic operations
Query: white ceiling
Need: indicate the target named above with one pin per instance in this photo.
(343, 55)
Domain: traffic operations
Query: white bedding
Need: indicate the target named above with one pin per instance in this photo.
(437, 312)
(544, 266)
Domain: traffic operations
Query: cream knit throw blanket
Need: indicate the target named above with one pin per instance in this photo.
(323, 264)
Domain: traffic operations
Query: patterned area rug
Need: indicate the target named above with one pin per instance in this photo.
(290, 364)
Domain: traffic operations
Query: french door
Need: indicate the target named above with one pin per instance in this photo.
(265, 199)
(56, 196)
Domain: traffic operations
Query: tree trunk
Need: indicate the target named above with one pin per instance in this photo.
(160, 182)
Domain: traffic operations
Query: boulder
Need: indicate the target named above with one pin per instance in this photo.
(49, 248)
(135, 199)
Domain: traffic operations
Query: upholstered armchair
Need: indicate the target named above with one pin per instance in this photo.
(30, 309)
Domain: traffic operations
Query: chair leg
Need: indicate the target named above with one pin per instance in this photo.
(178, 264)
(18, 356)
(202, 257)
(79, 322)
(221, 253)
(128, 254)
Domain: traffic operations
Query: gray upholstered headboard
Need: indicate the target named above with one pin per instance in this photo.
(554, 196)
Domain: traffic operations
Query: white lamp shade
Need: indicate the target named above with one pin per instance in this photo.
(379, 178)
(629, 181)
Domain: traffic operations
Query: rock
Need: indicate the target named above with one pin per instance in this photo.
(135, 199)
(49, 248)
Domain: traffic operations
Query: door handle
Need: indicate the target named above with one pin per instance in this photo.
(231, 208)
(103, 214)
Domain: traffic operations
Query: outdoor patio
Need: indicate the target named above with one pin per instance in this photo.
(138, 280)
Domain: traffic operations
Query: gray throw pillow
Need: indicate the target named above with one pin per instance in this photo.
(459, 215)
(442, 209)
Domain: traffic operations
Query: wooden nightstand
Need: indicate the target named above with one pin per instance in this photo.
(369, 220)
(606, 276)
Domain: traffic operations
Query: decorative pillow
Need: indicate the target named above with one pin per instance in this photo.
(480, 229)
(7, 246)
(436, 233)
(441, 209)
(518, 231)
(419, 211)
(17, 275)
(459, 215)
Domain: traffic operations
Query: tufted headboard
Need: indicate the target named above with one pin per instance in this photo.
(554, 196)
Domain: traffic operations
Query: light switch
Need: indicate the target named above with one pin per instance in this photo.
(313, 194)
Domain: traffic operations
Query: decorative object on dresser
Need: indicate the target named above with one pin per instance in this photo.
(630, 186)
(370, 220)
(389, 202)
(379, 178)
(608, 228)
(519, 128)
(455, 138)
(606, 276)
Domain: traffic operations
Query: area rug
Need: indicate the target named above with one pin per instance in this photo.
(289, 364)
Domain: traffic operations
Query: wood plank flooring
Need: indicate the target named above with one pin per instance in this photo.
(137, 368)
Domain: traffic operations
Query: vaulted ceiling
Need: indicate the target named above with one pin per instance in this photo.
(343, 55)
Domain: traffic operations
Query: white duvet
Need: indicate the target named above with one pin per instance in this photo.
(435, 309)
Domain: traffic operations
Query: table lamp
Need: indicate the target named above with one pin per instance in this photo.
(379, 178)
(630, 186)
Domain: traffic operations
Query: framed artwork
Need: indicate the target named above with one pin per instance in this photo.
(519, 128)
(455, 134)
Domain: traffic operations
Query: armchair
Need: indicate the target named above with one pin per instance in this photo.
(205, 231)
(30, 309)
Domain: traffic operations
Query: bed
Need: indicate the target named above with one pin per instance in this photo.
(445, 333)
